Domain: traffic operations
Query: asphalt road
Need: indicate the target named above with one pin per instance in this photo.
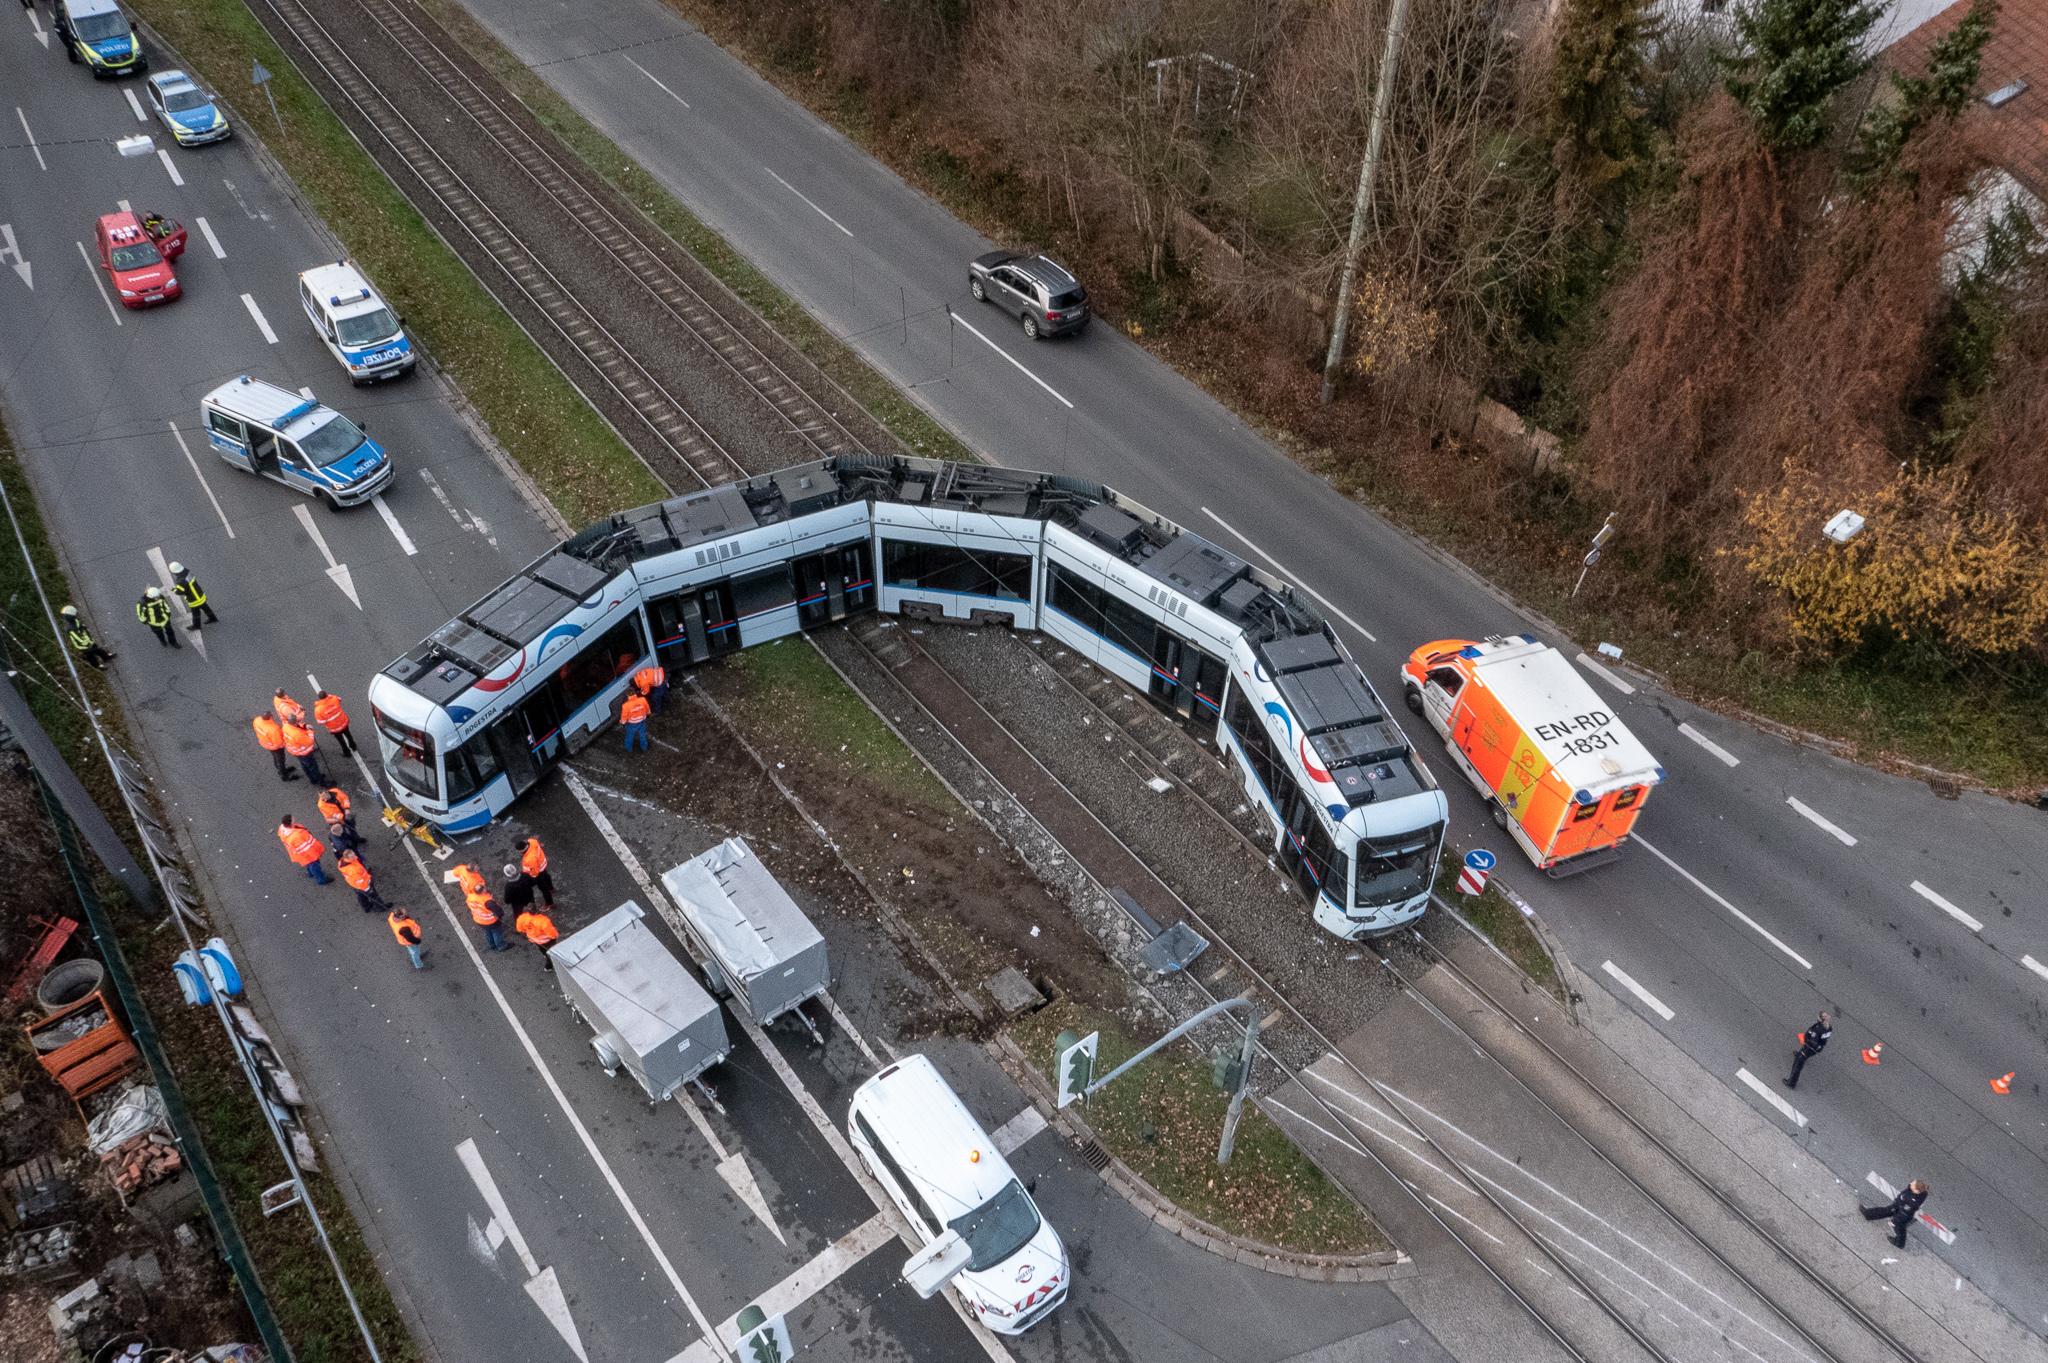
(1740, 913)
(506, 1184)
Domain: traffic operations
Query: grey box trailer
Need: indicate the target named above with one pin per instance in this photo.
(650, 1014)
(752, 940)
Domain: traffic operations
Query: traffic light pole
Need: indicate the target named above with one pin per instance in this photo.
(1244, 1084)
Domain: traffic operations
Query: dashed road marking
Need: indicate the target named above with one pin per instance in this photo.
(827, 1267)
(212, 241)
(391, 523)
(1649, 1000)
(1941, 1232)
(976, 334)
(135, 104)
(1710, 745)
(1011, 1135)
(2035, 966)
(170, 168)
(1281, 569)
(98, 283)
(1951, 910)
(179, 436)
(1846, 839)
(1792, 1114)
(823, 214)
(249, 302)
(31, 138)
(1607, 675)
(1741, 917)
(657, 81)
(124, 205)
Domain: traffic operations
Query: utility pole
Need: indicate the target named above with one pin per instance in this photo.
(1368, 172)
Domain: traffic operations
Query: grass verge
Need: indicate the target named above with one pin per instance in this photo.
(532, 411)
(1504, 924)
(879, 395)
(1163, 1119)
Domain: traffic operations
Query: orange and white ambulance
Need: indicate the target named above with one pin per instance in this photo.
(1563, 775)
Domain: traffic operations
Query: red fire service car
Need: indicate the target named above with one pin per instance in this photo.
(137, 252)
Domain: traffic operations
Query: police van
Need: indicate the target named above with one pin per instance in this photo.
(294, 440)
(358, 326)
(98, 34)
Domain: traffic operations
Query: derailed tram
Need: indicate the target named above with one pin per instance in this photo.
(475, 714)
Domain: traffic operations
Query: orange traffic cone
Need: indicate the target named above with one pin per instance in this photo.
(1873, 1054)
(2003, 1086)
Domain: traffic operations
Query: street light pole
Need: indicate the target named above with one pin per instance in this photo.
(1368, 172)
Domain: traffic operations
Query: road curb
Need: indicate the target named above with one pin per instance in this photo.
(1167, 1215)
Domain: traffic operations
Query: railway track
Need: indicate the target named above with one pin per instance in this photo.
(1206, 779)
(631, 244)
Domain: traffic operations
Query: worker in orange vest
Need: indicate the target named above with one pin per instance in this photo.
(288, 710)
(633, 714)
(467, 876)
(302, 847)
(539, 929)
(483, 911)
(406, 929)
(534, 862)
(300, 743)
(329, 714)
(652, 682)
(270, 734)
(359, 879)
(335, 807)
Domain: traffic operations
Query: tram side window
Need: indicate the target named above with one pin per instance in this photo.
(1258, 748)
(599, 665)
(1333, 868)
(949, 568)
(1108, 614)
(1076, 599)
(758, 593)
(470, 769)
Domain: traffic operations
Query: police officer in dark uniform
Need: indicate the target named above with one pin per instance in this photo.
(188, 590)
(1812, 1042)
(154, 611)
(81, 640)
(1901, 1209)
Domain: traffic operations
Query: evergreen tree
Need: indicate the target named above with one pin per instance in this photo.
(1790, 58)
(1941, 95)
(1596, 80)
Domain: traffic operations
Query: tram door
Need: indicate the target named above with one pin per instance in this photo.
(699, 621)
(1301, 831)
(1182, 675)
(832, 585)
(512, 745)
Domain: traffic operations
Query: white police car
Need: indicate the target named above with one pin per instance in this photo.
(291, 439)
(358, 326)
(187, 112)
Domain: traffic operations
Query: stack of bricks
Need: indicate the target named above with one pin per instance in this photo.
(140, 1161)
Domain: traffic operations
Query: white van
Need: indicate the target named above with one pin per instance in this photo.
(361, 329)
(919, 1141)
(291, 439)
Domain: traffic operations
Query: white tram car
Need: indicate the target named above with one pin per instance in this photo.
(477, 713)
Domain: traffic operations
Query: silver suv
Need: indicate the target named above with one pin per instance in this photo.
(1035, 289)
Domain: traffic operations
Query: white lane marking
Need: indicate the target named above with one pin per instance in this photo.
(1448, 1210)
(1792, 1114)
(1011, 1135)
(657, 81)
(434, 484)
(825, 1268)
(2035, 966)
(124, 205)
(31, 138)
(732, 1167)
(397, 530)
(1846, 839)
(249, 302)
(11, 254)
(93, 269)
(135, 104)
(1608, 675)
(1943, 1233)
(179, 436)
(1281, 569)
(501, 1216)
(846, 1025)
(957, 318)
(170, 168)
(1741, 917)
(541, 1283)
(823, 214)
(37, 24)
(337, 573)
(1727, 758)
(1951, 910)
(206, 230)
(465, 939)
(822, 1124)
(163, 577)
(1649, 1000)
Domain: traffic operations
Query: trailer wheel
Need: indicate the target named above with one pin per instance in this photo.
(1500, 816)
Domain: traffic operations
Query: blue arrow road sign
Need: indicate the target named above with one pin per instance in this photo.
(1479, 859)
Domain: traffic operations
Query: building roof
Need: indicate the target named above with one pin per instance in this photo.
(2017, 128)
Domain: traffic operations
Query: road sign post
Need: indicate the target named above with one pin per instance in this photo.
(763, 1339)
(1479, 864)
(1600, 538)
(1073, 1064)
(259, 76)
(1228, 1141)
